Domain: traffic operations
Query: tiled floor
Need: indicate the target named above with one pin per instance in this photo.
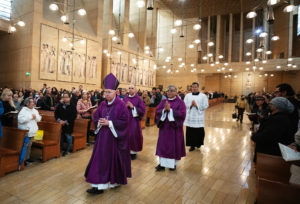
(221, 172)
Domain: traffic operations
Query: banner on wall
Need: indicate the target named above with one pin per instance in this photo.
(248, 83)
(124, 67)
(48, 52)
(65, 58)
(91, 62)
(79, 60)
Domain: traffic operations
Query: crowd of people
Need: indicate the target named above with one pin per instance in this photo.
(117, 114)
(274, 119)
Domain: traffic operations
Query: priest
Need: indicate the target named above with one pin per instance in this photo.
(110, 164)
(196, 103)
(136, 108)
(170, 115)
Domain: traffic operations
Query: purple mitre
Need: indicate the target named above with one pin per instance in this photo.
(111, 82)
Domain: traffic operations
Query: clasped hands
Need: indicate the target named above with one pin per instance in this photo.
(167, 107)
(129, 105)
(194, 104)
(103, 122)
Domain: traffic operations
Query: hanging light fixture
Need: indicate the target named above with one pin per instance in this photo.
(289, 8)
(251, 14)
(81, 12)
(248, 62)
(249, 41)
(275, 38)
(173, 31)
(197, 41)
(278, 67)
(270, 17)
(263, 34)
(53, 7)
(197, 26)
(140, 3)
(268, 52)
(248, 53)
(111, 32)
(225, 64)
(64, 39)
(264, 61)
(221, 56)
(12, 29)
(64, 18)
(273, 2)
(150, 5)
(210, 44)
(130, 35)
(178, 22)
(191, 46)
(204, 58)
(21, 23)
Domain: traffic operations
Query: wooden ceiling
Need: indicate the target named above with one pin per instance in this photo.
(195, 8)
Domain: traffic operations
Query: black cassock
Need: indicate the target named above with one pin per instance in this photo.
(195, 136)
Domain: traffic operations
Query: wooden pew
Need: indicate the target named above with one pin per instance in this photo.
(273, 174)
(277, 192)
(48, 118)
(46, 112)
(10, 149)
(273, 168)
(79, 134)
(50, 144)
(143, 121)
(151, 115)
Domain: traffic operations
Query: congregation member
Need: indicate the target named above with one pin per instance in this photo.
(196, 103)
(136, 109)
(241, 105)
(296, 145)
(17, 104)
(84, 110)
(123, 94)
(155, 98)
(65, 113)
(110, 163)
(277, 128)
(170, 115)
(1, 113)
(146, 98)
(9, 108)
(259, 112)
(75, 97)
(27, 120)
(49, 102)
(40, 101)
(286, 91)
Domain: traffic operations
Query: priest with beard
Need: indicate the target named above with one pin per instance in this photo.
(136, 108)
(170, 115)
(110, 164)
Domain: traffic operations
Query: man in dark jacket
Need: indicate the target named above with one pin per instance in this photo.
(275, 129)
(65, 114)
(286, 91)
(49, 102)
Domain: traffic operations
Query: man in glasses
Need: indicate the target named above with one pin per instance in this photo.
(110, 163)
(170, 115)
(136, 108)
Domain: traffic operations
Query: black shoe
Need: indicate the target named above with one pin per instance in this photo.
(65, 153)
(159, 168)
(26, 163)
(94, 191)
(133, 156)
(241, 121)
(30, 160)
(192, 149)
(173, 169)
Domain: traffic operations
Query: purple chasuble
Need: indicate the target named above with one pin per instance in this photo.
(170, 142)
(135, 130)
(110, 161)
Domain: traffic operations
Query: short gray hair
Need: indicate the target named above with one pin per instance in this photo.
(27, 101)
(172, 86)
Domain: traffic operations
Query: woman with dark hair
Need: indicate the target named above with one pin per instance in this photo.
(286, 91)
